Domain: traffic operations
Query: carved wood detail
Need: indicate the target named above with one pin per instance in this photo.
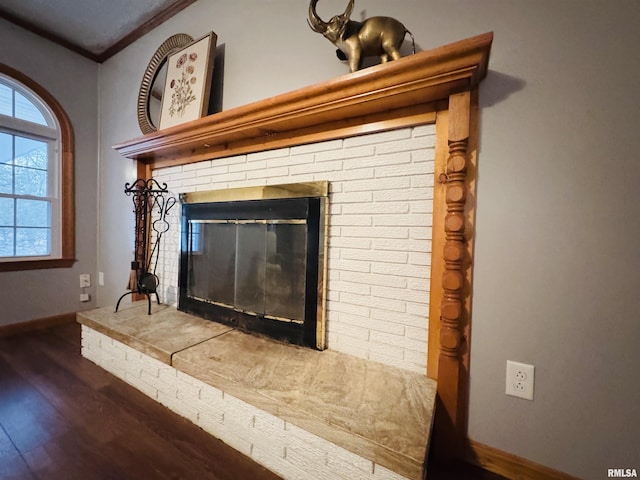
(454, 225)
(450, 424)
(410, 91)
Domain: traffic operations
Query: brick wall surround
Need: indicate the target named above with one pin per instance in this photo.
(379, 245)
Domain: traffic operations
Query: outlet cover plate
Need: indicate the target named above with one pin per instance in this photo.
(85, 280)
(519, 381)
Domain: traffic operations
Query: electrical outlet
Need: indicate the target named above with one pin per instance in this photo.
(101, 279)
(85, 280)
(84, 297)
(519, 382)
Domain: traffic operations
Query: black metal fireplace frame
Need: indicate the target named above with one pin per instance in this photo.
(308, 208)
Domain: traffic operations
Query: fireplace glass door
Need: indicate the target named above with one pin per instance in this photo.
(256, 266)
(252, 264)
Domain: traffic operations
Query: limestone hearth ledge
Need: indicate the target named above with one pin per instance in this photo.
(379, 412)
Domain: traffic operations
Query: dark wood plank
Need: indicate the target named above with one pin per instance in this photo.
(84, 408)
(62, 345)
(74, 455)
(12, 466)
(68, 333)
(113, 431)
(460, 471)
(41, 323)
(26, 416)
(186, 437)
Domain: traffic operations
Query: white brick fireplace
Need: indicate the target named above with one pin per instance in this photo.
(371, 136)
(377, 304)
(379, 242)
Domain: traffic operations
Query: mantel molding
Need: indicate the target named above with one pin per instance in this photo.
(391, 95)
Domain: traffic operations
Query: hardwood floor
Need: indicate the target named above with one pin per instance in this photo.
(62, 417)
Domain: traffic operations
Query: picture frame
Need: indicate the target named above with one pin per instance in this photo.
(188, 83)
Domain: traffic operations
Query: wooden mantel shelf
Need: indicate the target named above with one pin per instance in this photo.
(390, 95)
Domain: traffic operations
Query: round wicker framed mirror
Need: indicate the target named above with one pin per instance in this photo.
(152, 84)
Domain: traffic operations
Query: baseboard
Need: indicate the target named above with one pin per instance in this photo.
(508, 465)
(38, 324)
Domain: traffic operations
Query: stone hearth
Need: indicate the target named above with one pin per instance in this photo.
(299, 412)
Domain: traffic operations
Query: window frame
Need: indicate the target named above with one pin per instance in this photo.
(66, 229)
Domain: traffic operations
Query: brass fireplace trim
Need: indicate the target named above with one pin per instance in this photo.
(262, 192)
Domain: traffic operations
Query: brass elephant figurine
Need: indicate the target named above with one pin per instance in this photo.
(375, 36)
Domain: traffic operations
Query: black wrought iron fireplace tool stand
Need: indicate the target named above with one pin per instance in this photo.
(148, 196)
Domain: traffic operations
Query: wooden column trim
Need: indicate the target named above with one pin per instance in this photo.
(437, 241)
(450, 421)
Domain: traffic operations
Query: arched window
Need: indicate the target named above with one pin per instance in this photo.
(36, 177)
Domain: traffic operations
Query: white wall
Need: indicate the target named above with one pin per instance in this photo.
(73, 81)
(556, 275)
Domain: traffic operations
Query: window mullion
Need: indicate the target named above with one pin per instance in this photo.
(15, 126)
(54, 194)
(15, 225)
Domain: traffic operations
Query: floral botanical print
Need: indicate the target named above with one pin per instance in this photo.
(182, 92)
(187, 86)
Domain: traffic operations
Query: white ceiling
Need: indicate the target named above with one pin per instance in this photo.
(96, 29)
